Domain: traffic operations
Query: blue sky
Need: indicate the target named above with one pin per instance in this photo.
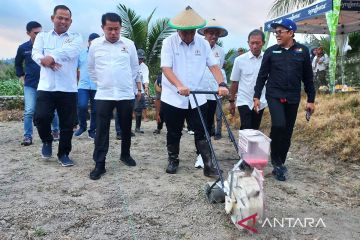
(238, 16)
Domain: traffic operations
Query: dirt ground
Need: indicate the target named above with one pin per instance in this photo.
(39, 199)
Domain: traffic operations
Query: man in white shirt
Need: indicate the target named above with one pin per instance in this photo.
(113, 65)
(184, 58)
(319, 65)
(57, 53)
(243, 76)
(140, 104)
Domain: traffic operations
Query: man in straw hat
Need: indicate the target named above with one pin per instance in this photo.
(184, 58)
(212, 31)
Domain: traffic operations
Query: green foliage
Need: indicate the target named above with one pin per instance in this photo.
(11, 87)
(7, 71)
(146, 36)
(229, 58)
(354, 42)
(39, 232)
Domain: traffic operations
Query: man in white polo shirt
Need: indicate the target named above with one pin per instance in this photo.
(243, 76)
(113, 65)
(57, 53)
(184, 58)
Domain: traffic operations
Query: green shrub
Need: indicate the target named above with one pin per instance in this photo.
(11, 87)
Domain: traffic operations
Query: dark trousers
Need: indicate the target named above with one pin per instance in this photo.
(103, 117)
(84, 96)
(161, 123)
(249, 119)
(283, 117)
(211, 109)
(174, 119)
(65, 105)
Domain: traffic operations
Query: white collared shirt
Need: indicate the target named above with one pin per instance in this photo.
(114, 67)
(65, 50)
(320, 66)
(210, 83)
(144, 76)
(245, 71)
(188, 62)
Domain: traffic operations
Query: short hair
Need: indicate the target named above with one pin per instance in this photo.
(257, 32)
(112, 17)
(31, 25)
(63, 7)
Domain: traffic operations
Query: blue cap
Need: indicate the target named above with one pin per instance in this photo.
(93, 36)
(286, 23)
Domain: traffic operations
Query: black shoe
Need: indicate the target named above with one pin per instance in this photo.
(139, 130)
(279, 173)
(128, 161)
(156, 131)
(172, 167)
(27, 141)
(97, 173)
(118, 136)
(211, 172)
(217, 137)
(132, 134)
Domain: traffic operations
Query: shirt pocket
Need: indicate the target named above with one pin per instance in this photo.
(49, 47)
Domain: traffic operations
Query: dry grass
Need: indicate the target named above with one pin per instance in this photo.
(334, 129)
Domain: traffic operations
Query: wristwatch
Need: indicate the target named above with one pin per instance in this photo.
(223, 84)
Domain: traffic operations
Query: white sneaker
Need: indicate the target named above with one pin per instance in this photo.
(199, 162)
(191, 132)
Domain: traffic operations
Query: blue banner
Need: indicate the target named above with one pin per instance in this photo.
(304, 13)
(350, 5)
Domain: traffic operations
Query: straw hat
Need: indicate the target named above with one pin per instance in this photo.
(214, 24)
(187, 20)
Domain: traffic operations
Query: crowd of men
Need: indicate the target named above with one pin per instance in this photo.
(61, 78)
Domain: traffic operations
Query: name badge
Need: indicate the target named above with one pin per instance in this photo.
(279, 51)
(298, 50)
(197, 53)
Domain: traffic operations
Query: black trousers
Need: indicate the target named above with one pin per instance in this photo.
(283, 117)
(66, 105)
(103, 117)
(249, 119)
(211, 109)
(174, 119)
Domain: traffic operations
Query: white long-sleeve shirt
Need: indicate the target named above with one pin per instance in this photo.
(188, 62)
(64, 49)
(144, 75)
(114, 67)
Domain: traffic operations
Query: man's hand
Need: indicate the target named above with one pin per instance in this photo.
(232, 108)
(55, 66)
(256, 105)
(138, 95)
(223, 91)
(184, 91)
(22, 80)
(310, 107)
(47, 61)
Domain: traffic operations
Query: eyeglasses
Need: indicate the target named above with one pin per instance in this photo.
(279, 32)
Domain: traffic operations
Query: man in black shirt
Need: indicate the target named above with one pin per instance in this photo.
(284, 66)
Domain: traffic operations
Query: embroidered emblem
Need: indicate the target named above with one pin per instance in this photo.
(277, 51)
(197, 53)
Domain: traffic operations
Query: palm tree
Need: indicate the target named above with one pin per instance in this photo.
(281, 7)
(145, 36)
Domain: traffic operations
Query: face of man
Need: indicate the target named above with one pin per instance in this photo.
(32, 34)
(284, 36)
(62, 21)
(187, 36)
(112, 31)
(212, 35)
(255, 44)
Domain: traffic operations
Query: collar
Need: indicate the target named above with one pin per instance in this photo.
(179, 41)
(295, 45)
(118, 41)
(253, 56)
(65, 33)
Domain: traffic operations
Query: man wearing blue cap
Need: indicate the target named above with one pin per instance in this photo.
(86, 92)
(284, 66)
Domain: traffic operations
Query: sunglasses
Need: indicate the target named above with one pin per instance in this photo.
(279, 32)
